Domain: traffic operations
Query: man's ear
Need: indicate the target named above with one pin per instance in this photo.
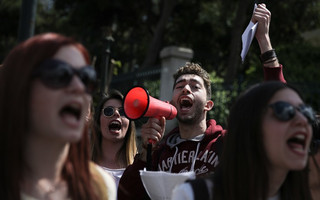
(209, 105)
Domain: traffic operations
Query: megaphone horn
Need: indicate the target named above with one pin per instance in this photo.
(138, 103)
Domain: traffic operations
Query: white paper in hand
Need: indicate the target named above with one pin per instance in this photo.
(159, 184)
(248, 36)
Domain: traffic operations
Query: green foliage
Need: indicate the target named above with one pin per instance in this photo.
(223, 96)
(202, 25)
(116, 66)
(302, 61)
(153, 87)
(302, 70)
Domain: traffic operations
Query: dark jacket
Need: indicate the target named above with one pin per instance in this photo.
(175, 155)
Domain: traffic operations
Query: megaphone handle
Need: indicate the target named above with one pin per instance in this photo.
(149, 151)
(149, 157)
(151, 141)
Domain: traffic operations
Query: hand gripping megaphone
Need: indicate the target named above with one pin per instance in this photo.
(138, 103)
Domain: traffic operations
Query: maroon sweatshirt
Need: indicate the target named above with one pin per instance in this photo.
(274, 74)
(175, 155)
(178, 155)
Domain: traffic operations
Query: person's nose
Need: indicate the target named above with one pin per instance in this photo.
(116, 112)
(301, 118)
(76, 85)
(186, 89)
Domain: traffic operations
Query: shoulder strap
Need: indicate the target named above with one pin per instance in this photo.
(200, 189)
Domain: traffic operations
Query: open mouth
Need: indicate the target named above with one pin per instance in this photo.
(297, 142)
(73, 110)
(185, 103)
(115, 126)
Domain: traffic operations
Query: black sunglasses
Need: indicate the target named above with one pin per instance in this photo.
(57, 74)
(109, 111)
(284, 111)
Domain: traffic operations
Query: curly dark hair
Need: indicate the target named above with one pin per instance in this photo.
(194, 68)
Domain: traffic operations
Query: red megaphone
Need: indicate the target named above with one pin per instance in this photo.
(138, 103)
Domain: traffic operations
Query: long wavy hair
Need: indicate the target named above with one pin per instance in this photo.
(243, 171)
(15, 87)
(129, 148)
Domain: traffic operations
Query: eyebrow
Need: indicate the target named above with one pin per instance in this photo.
(184, 80)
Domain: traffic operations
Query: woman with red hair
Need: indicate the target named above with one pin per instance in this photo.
(45, 94)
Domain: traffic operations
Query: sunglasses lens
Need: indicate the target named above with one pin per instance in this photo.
(283, 111)
(308, 113)
(56, 76)
(108, 111)
(54, 73)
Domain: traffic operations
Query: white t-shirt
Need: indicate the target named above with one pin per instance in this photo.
(116, 173)
(110, 183)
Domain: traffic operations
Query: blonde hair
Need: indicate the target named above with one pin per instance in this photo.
(129, 148)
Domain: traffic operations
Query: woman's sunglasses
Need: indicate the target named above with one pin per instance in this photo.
(284, 111)
(109, 111)
(57, 74)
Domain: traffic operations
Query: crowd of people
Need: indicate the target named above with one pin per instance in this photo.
(265, 150)
(54, 146)
(195, 137)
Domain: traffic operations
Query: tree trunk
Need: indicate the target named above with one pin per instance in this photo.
(28, 14)
(155, 45)
(234, 60)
